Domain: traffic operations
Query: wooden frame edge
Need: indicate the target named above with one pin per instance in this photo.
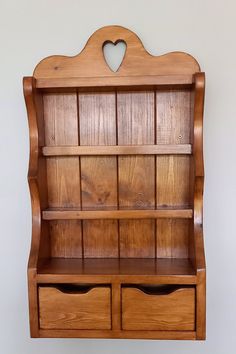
(200, 263)
(119, 334)
(28, 85)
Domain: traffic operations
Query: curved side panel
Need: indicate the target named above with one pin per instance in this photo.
(28, 85)
(198, 123)
(137, 61)
(198, 206)
(199, 169)
(35, 204)
(33, 171)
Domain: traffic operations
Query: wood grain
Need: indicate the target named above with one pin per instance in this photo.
(157, 335)
(75, 309)
(136, 182)
(117, 150)
(100, 242)
(137, 239)
(70, 214)
(172, 181)
(135, 117)
(94, 134)
(97, 118)
(61, 128)
(135, 123)
(172, 238)
(173, 117)
(160, 312)
(123, 270)
(60, 117)
(137, 61)
(63, 191)
(199, 260)
(97, 115)
(66, 238)
(116, 306)
(198, 123)
(98, 83)
(98, 183)
(35, 253)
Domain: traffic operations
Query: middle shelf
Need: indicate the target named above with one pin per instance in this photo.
(73, 214)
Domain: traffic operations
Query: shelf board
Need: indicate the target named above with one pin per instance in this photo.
(75, 214)
(115, 81)
(127, 270)
(117, 150)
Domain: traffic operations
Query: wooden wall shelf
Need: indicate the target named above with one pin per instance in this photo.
(116, 180)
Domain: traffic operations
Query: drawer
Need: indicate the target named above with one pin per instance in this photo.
(165, 308)
(75, 307)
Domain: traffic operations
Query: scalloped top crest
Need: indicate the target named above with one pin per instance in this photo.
(90, 62)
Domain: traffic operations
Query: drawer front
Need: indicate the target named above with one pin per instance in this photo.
(160, 310)
(75, 308)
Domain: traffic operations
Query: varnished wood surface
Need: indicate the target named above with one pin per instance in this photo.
(155, 81)
(28, 85)
(172, 181)
(75, 309)
(136, 174)
(116, 334)
(173, 112)
(161, 311)
(97, 116)
(137, 61)
(198, 123)
(172, 238)
(128, 270)
(116, 306)
(198, 206)
(116, 179)
(54, 214)
(117, 150)
(66, 238)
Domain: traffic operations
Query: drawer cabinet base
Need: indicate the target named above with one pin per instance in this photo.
(155, 312)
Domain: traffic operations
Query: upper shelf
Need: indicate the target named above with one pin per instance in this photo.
(82, 83)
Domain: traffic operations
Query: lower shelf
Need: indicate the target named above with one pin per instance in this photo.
(104, 270)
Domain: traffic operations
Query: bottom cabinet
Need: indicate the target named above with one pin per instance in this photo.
(75, 307)
(160, 309)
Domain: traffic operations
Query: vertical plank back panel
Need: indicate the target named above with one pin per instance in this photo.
(172, 181)
(99, 183)
(61, 128)
(173, 126)
(172, 238)
(135, 121)
(97, 117)
(173, 117)
(66, 238)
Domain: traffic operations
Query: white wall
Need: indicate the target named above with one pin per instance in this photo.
(31, 30)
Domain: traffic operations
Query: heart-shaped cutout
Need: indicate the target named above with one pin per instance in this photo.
(114, 54)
